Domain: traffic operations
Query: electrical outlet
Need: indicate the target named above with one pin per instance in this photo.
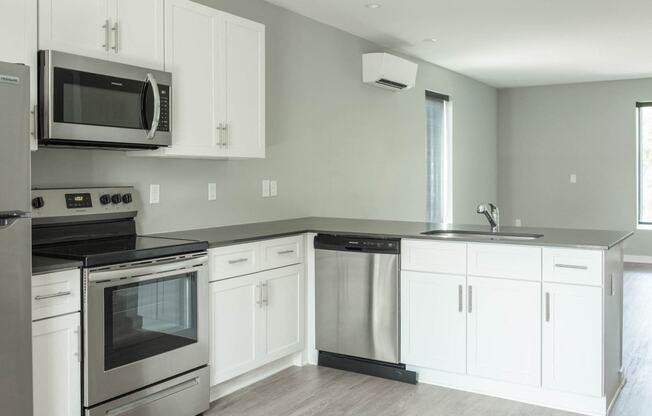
(154, 194)
(573, 178)
(212, 191)
(517, 222)
(266, 188)
(273, 188)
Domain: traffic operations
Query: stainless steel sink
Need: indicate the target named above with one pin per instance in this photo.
(479, 235)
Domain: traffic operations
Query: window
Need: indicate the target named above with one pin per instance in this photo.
(644, 164)
(438, 205)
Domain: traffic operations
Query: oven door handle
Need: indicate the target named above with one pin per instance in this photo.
(148, 271)
(151, 80)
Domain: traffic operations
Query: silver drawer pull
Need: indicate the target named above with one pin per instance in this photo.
(54, 295)
(283, 252)
(571, 266)
(237, 261)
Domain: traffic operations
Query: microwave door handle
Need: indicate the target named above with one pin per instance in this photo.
(157, 106)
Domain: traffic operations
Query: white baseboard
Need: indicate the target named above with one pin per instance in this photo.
(630, 258)
(587, 405)
(254, 376)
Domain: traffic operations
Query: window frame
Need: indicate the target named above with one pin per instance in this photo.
(447, 170)
(640, 224)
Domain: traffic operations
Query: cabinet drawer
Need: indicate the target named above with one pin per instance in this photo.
(433, 256)
(507, 261)
(233, 261)
(56, 294)
(583, 267)
(281, 252)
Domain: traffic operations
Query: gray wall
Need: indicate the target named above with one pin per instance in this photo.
(336, 146)
(548, 133)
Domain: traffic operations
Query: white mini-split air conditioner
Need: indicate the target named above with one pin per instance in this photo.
(388, 71)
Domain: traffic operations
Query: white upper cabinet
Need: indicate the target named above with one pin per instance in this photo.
(128, 31)
(217, 62)
(504, 330)
(18, 44)
(572, 338)
(138, 35)
(244, 55)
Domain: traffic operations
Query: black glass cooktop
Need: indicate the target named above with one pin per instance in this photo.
(105, 251)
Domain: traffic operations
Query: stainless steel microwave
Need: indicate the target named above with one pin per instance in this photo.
(91, 102)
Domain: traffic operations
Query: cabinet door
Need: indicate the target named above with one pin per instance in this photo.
(76, 26)
(18, 44)
(236, 312)
(572, 339)
(192, 47)
(139, 38)
(56, 366)
(244, 57)
(284, 299)
(504, 330)
(433, 321)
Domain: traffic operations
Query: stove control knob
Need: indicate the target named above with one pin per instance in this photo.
(116, 198)
(127, 199)
(105, 199)
(38, 202)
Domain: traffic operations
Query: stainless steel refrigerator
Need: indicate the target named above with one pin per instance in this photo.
(15, 243)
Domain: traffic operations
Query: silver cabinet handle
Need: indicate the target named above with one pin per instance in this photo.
(237, 261)
(105, 26)
(571, 266)
(34, 113)
(157, 105)
(219, 135)
(284, 252)
(259, 295)
(53, 295)
(460, 295)
(613, 288)
(226, 135)
(469, 299)
(547, 307)
(266, 294)
(116, 36)
(79, 343)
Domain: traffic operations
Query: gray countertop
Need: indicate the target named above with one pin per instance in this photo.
(41, 264)
(235, 234)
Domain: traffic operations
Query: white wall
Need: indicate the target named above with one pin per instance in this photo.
(336, 146)
(548, 133)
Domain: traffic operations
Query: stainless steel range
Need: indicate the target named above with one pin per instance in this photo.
(145, 306)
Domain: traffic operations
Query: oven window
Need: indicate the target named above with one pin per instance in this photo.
(149, 318)
(100, 100)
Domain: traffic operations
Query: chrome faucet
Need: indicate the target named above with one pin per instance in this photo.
(492, 213)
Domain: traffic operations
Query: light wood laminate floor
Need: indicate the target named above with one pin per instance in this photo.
(318, 391)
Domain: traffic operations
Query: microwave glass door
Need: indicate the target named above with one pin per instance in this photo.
(98, 100)
(149, 318)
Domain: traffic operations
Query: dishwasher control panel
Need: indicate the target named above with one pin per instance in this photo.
(357, 243)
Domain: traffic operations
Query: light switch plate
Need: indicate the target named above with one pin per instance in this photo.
(517, 222)
(573, 178)
(154, 194)
(212, 191)
(266, 188)
(273, 188)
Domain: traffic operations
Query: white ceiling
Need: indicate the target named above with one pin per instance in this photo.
(505, 43)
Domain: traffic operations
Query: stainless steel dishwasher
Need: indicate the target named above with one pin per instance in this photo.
(357, 305)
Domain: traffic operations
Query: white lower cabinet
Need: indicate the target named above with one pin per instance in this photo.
(504, 330)
(433, 334)
(255, 319)
(56, 366)
(572, 339)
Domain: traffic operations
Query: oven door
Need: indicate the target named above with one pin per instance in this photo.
(143, 323)
(92, 102)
